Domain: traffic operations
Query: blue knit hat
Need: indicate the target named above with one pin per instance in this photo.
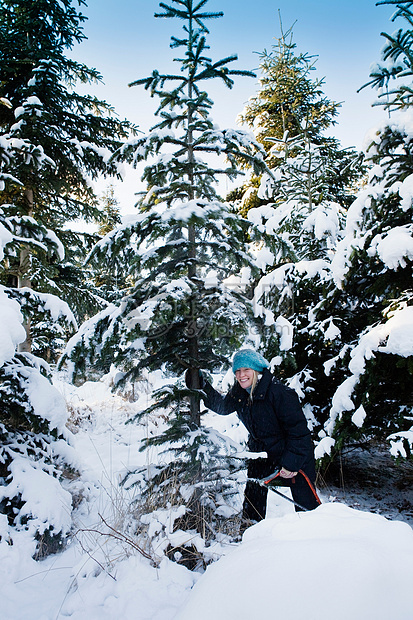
(247, 358)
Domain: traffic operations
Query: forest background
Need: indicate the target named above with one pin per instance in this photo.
(343, 36)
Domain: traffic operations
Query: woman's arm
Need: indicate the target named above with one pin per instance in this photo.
(215, 401)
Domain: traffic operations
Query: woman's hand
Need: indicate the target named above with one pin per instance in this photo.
(286, 473)
(189, 379)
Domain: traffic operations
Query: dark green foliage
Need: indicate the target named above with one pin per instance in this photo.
(36, 448)
(197, 481)
(289, 96)
(392, 77)
(53, 141)
(71, 134)
(375, 286)
(15, 408)
(289, 115)
(166, 308)
(170, 319)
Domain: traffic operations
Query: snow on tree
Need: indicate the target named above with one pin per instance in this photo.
(290, 104)
(372, 270)
(77, 134)
(51, 144)
(34, 449)
(347, 293)
(182, 312)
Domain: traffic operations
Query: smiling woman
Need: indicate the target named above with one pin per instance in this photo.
(276, 425)
(246, 377)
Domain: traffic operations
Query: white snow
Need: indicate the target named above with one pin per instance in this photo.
(398, 443)
(330, 563)
(53, 304)
(334, 562)
(46, 400)
(394, 335)
(5, 238)
(323, 220)
(324, 447)
(332, 331)
(11, 317)
(285, 330)
(41, 494)
(399, 333)
(394, 247)
(358, 416)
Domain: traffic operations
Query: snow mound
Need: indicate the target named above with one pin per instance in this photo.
(334, 562)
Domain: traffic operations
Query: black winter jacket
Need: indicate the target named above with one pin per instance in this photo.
(274, 420)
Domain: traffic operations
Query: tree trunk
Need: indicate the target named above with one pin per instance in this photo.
(24, 280)
(192, 329)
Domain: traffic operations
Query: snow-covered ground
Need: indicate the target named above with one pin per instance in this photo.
(335, 562)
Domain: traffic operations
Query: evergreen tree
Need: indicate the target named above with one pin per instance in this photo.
(289, 96)
(297, 238)
(32, 413)
(111, 217)
(76, 132)
(298, 217)
(392, 77)
(110, 280)
(180, 315)
(290, 108)
(373, 272)
(52, 142)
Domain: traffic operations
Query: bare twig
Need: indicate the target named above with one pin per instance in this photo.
(117, 536)
(120, 536)
(94, 559)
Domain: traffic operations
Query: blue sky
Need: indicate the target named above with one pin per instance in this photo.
(126, 42)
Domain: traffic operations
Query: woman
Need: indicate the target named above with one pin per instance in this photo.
(276, 425)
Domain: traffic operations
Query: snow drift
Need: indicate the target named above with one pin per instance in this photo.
(334, 562)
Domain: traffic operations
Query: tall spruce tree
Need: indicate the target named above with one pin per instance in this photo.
(372, 268)
(297, 240)
(180, 314)
(289, 95)
(76, 132)
(298, 215)
(32, 412)
(290, 107)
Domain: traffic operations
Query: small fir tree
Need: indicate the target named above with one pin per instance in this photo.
(289, 103)
(111, 216)
(109, 278)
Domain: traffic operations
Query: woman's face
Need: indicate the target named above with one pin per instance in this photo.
(245, 377)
